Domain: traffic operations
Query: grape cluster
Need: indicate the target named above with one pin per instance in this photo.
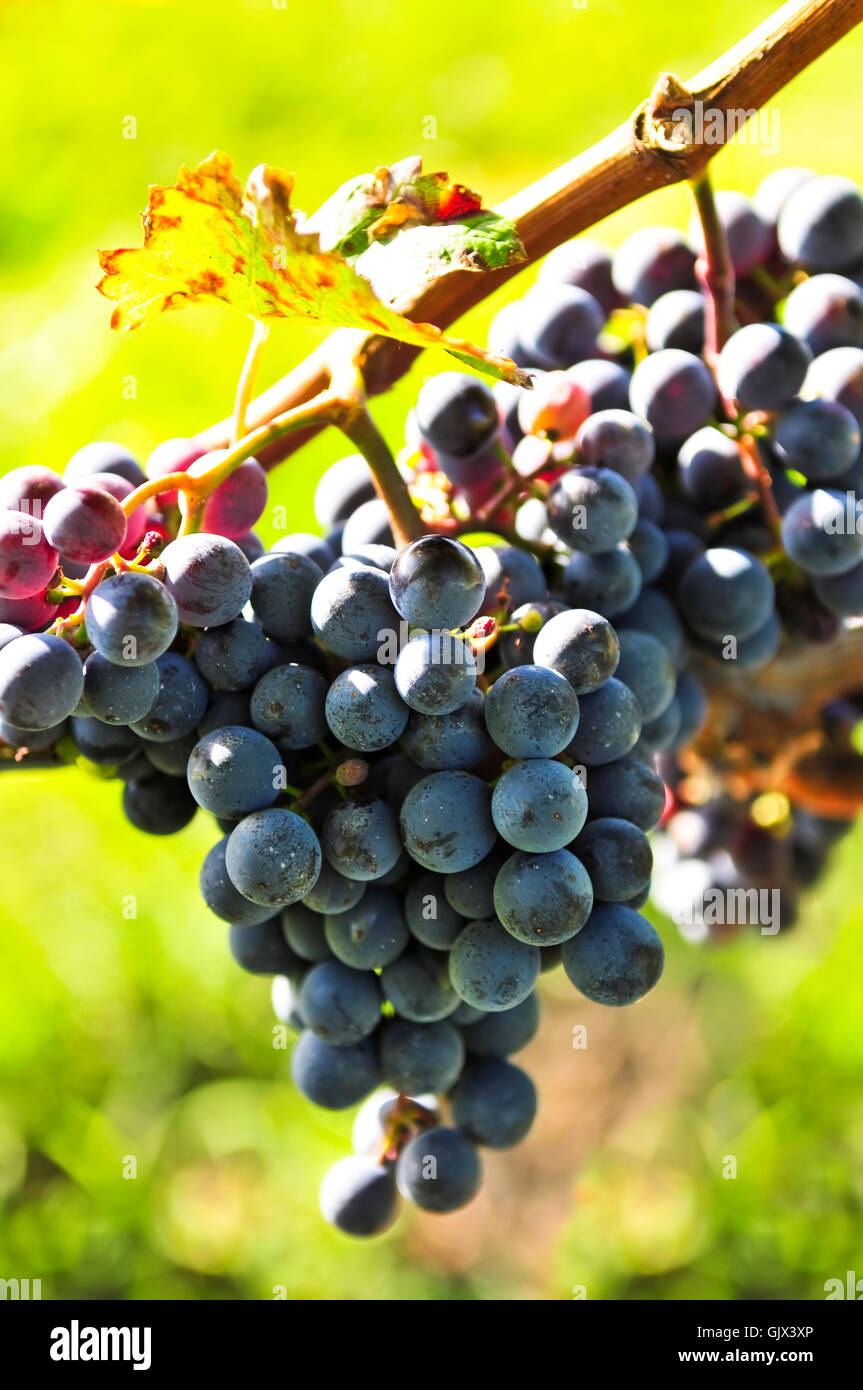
(434, 769)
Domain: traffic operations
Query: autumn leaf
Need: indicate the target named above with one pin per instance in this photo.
(205, 240)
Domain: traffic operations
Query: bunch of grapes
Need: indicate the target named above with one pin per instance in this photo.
(433, 769)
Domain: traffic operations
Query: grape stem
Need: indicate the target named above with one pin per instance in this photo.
(246, 383)
(757, 471)
(714, 270)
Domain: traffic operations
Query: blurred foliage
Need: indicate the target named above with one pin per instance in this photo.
(127, 1034)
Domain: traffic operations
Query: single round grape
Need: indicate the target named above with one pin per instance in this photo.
(617, 856)
(674, 392)
(208, 577)
(358, 1196)
(117, 694)
(823, 533)
(131, 619)
(428, 913)
(370, 524)
(749, 654)
(28, 489)
(418, 985)
(842, 593)
(762, 366)
(650, 549)
(446, 822)
(233, 771)
(288, 706)
(32, 739)
(172, 758)
(616, 957)
(837, 375)
(543, 899)
(371, 934)
(180, 704)
(609, 726)
(490, 969)
(610, 581)
(650, 262)
(104, 744)
(273, 857)
(691, 697)
(618, 440)
(559, 324)
(305, 932)
(676, 320)
(726, 591)
(437, 582)
(471, 892)
(304, 543)
(606, 383)
(282, 589)
(439, 1170)
(219, 893)
(340, 1005)
(773, 192)
(41, 681)
(592, 509)
(825, 312)
(419, 1057)
(456, 413)
(494, 1103)
(449, 742)
(361, 838)
(507, 1031)
(237, 503)
(539, 805)
(364, 710)
(157, 804)
(646, 667)
(102, 457)
(234, 656)
(531, 712)
(27, 557)
(581, 645)
(343, 487)
(334, 1078)
(352, 614)
(435, 672)
(85, 524)
(512, 577)
(332, 892)
(29, 614)
(820, 439)
(821, 223)
(627, 788)
(555, 408)
(710, 469)
(584, 263)
(225, 707)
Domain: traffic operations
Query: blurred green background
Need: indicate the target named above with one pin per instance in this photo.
(126, 1031)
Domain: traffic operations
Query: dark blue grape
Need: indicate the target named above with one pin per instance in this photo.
(358, 1196)
(273, 857)
(420, 1057)
(158, 805)
(102, 457)
(609, 725)
(435, 672)
(446, 822)
(773, 192)
(172, 758)
(226, 707)
(437, 582)
(661, 733)
(646, 667)
(543, 899)
(674, 391)
(41, 681)
(629, 789)
(340, 1005)
(725, 591)
(692, 700)
(616, 957)
(333, 892)
(361, 838)
(837, 375)
(823, 533)
(559, 324)
(131, 619)
(219, 893)
(494, 1103)
(305, 932)
(368, 525)
(233, 771)
(282, 589)
(317, 548)
(352, 613)
(456, 413)
(471, 892)
(180, 704)
(609, 582)
(449, 742)
(820, 439)
(104, 744)
(288, 705)
(592, 509)
(500, 1034)
(429, 915)
(826, 312)
(676, 320)
(842, 593)
(233, 657)
(750, 653)
(490, 969)
(762, 366)
(439, 1170)
(581, 645)
(710, 469)
(585, 264)
(617, 856)
(418, 985)
(512, 577)
(334, 1077)
(606, 383)
(364, 710)
(618, 440)
(821, 224)
(343, 487)
(651, 261)
(531, 712)
(650, 548)
(371, 934)
(117, 694)
(208, 577)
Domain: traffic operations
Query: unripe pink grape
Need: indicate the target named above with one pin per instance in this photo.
(120, 489)
(29, 489)
(86, 523)
(237, 503)
(27, 557)
(556, 407)
(28, 613)
(172, 456)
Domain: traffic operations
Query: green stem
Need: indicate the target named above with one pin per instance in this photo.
(246, 383)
